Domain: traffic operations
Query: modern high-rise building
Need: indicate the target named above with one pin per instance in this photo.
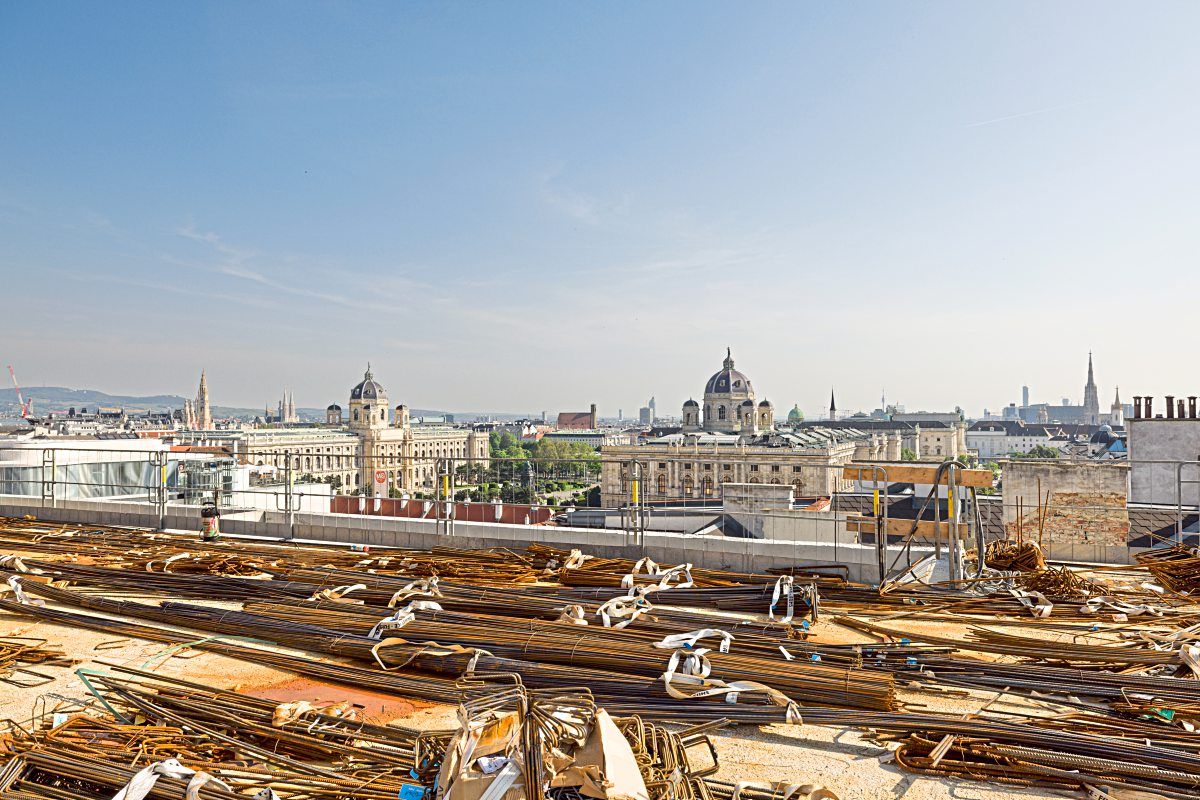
(648, 413)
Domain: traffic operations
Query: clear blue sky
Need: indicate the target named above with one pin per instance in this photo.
(518, 206)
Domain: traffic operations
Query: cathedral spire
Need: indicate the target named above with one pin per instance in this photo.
(832, 405)
(1091, 397)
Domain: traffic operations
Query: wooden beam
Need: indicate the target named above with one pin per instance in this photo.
(910, 472)
(927, 529)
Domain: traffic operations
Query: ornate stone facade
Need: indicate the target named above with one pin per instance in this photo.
(729, 405)
(374, 437)
(731, 438)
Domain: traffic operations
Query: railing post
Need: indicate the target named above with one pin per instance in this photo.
(288, 497)
(42, 486)
(50, 483)
(957, 572)
(1179, 502)
(162, 490)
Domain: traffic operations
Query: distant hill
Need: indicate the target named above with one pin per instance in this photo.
(60, 398)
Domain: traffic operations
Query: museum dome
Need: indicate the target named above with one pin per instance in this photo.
(368, 389)
(728, 380)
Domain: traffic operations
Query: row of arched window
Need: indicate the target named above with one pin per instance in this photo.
(688, 485)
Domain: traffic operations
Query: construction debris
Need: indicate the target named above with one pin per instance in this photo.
(586, 677)
(1004, 554)
(1177, 568)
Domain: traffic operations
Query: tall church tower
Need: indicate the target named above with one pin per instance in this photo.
(1091, 397)
(1116, 417)
(203, 411)
(832, 407)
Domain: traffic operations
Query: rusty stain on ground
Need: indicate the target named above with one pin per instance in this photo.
(380, 708)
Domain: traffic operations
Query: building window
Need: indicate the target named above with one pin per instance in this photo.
(687, 465)
(720, 412)
(708, 467)
(708, 486)
(755, 479)
(754, 467)
(775, 482)
(795, 469)
(662, 484)
(798, 486)
(774, 468)
(356, 415)
(727, 467)
(662, 465)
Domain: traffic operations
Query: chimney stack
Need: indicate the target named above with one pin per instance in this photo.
(1170, 406)
(1192, 407)
(1180, 409)
(1137, 406)
(1149, 406)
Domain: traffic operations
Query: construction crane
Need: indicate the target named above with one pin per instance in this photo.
(25, 404)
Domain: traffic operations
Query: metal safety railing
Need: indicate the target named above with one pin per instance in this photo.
(655, 492)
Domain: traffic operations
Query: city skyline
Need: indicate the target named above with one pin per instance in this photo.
(541, 206)
(844, 410)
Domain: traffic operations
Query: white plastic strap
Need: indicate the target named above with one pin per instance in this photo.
(168, 562)
(1189, 654)
(711, 687)
(679, 640)
(575, 560)
(681, 574)
(1037, 603)
(338, 592)
(14, 583)
(624, 609)
(402, 617)
(424, 586)
(784, 587)
(651, 570)
(688, 663)
(574, 614)
(1095, 604)
(143, 782)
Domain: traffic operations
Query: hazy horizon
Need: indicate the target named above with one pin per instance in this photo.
(540, 206)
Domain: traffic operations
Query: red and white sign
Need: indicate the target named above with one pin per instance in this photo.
(381, 478)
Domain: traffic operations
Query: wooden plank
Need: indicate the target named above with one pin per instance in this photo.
(927, 529)
(910, 472)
